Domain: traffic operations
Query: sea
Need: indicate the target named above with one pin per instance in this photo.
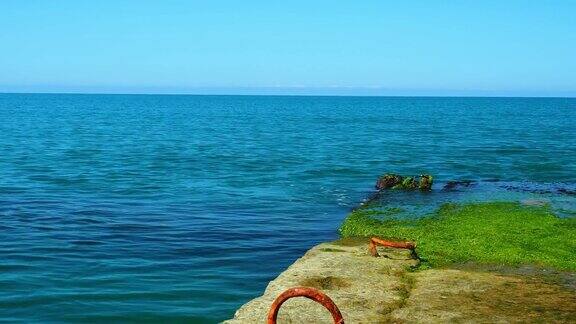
(181, 208)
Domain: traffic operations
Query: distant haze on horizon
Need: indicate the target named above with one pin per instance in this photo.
(377, 48)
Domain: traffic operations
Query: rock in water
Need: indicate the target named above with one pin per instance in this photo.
(409, 183)
(394, 181)
(425, 183)
(453, 185)
(388, 181)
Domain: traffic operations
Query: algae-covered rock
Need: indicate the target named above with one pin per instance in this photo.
(408, 183)
(395, 181)
(388, 181)
(425, 183)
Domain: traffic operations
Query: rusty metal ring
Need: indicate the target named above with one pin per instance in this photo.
(309, 293)
(374, 241)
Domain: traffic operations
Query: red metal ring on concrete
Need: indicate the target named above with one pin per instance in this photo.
(399, 245)
(309, 293)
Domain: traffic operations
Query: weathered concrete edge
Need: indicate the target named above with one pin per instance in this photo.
(362, 286)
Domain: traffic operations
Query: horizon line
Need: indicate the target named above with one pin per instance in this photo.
(286, 95)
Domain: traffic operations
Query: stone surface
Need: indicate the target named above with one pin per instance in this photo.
(383, 290)
(456, 296)
(364, 288)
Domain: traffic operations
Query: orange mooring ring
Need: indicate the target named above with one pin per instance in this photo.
(309, 293)
(394, 244)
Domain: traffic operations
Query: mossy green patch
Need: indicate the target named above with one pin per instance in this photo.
(490, 233)
(332, 250)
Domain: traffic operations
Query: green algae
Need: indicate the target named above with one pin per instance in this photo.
(486, 233)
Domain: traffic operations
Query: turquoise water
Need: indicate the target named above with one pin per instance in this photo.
(181, 208)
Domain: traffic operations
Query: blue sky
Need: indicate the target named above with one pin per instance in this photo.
(342, 47)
